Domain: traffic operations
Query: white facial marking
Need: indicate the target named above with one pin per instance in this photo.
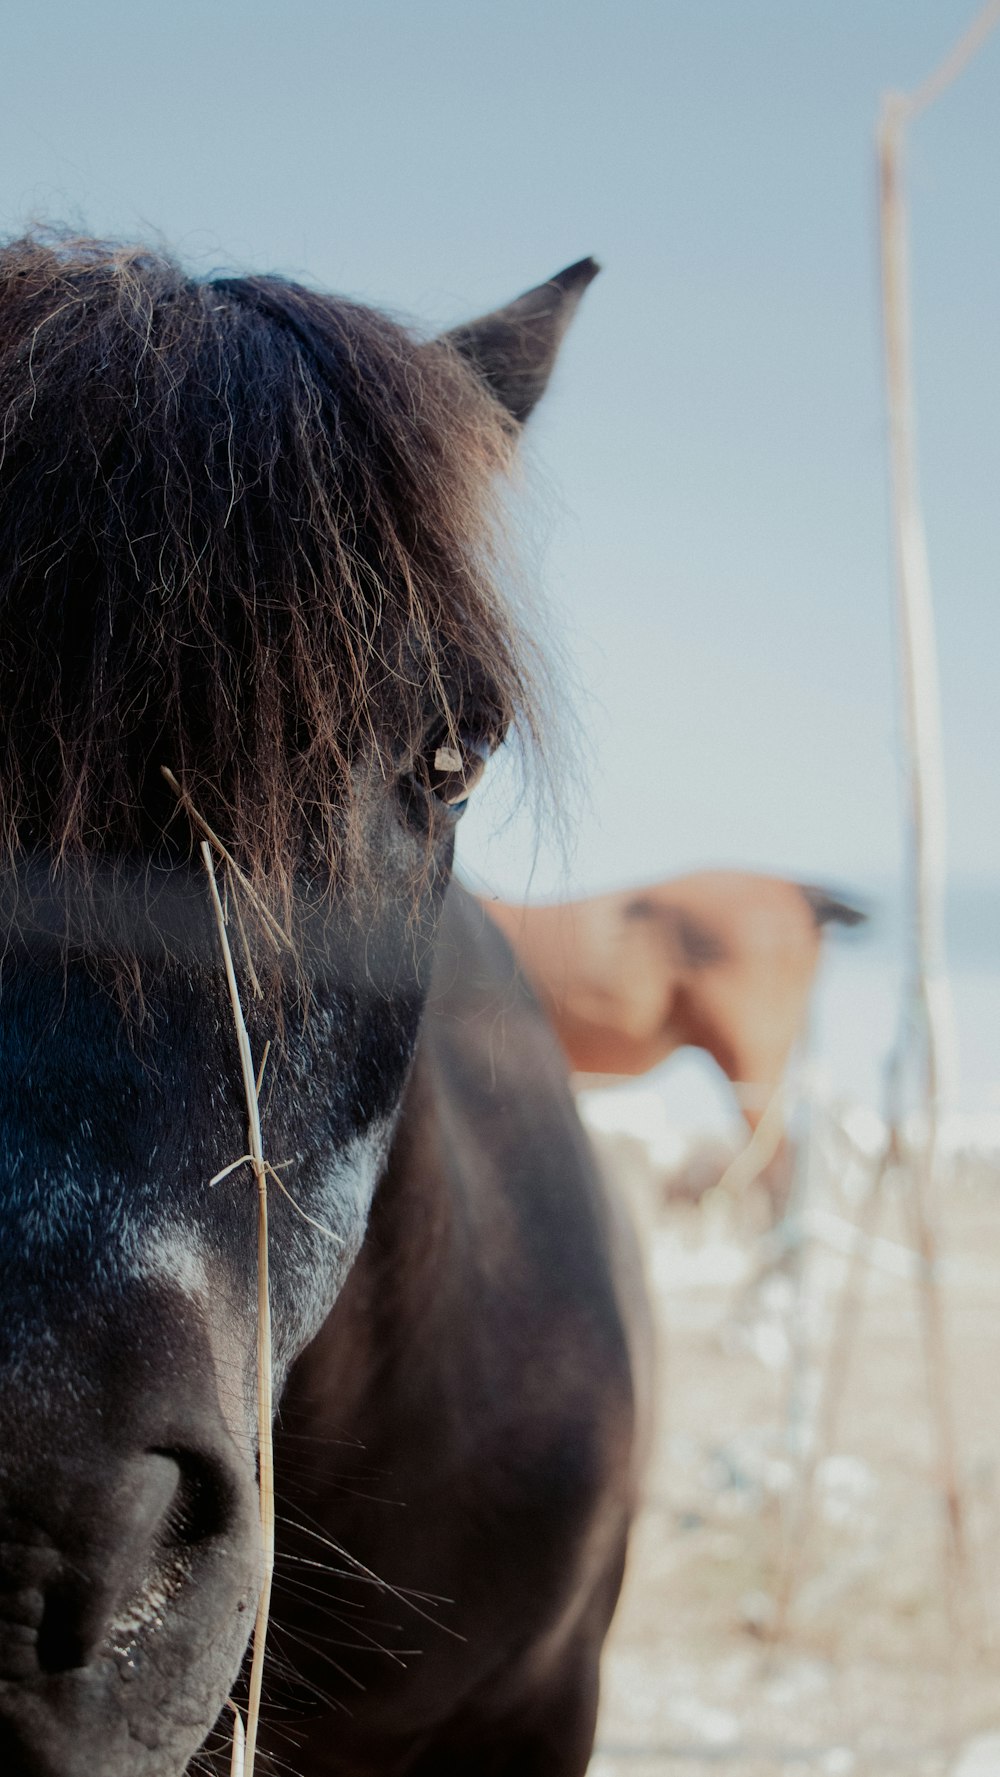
(342, 1208)
(170, 1256)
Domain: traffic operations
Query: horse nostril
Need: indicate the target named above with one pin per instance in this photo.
(144, 1539)
(203, 1505)
(63, 1641)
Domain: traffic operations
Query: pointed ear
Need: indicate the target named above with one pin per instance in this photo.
(514, 349)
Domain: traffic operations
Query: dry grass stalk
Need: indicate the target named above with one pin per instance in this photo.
(275, 930)
(955, 62)
(251, 971)
(265, 1404)
(271, 1168)
(237, 1764)
(746, 1166)
(797, 1520)
(321, 1227)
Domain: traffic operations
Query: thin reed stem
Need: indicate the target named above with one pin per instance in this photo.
(275, 930)
(237, 1764)
(265, 1403)
(760, 1147)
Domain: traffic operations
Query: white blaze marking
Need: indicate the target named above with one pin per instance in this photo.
(170, 1255)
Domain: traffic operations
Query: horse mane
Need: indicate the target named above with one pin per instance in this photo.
(246, 532)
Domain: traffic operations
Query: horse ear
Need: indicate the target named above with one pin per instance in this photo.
(514, 348)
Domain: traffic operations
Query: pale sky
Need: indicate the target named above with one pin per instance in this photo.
(708, 471)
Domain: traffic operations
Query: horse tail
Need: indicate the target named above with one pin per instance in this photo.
(829, 909)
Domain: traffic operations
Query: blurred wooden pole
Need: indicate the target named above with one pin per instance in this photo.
(926, 1035)
(923, 1031)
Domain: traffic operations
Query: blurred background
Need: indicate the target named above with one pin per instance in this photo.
(705, 514)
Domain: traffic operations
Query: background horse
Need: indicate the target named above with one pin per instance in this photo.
(245, 534)
(722, 960)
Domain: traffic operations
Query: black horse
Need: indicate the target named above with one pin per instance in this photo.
(246, 534)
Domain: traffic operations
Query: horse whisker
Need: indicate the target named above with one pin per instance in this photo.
(360, 1579)
(365, 1641)
(384, 1584)
(302, 1642)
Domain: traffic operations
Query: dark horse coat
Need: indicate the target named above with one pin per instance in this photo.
(465, 1424)
(245, 535)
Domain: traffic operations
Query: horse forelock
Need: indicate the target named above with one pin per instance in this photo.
(245, 532)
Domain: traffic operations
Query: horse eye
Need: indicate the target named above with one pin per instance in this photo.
(454, 768)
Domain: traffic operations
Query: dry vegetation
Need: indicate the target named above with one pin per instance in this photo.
(876, 1672)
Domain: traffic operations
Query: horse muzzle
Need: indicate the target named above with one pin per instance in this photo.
(129, 1554)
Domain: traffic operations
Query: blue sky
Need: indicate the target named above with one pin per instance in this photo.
(709, 517)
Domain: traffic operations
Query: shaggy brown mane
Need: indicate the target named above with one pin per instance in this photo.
(245, 531)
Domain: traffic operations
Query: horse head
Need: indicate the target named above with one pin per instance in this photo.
(247, 591)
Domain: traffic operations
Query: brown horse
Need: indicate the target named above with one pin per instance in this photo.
(723, 960)
(247, 534)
